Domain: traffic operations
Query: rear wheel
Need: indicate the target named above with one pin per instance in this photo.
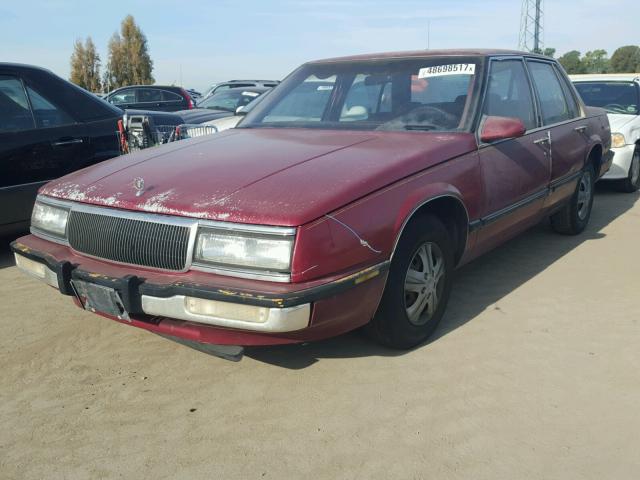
(575, 215)
(418, 286)
(632, 182)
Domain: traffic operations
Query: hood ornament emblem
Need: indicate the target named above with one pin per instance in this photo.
(138, 184)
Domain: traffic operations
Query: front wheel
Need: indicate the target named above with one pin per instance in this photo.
(418, 285)
(632, 182)
(575, 215)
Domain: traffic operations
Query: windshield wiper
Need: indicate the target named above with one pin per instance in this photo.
(424, 128)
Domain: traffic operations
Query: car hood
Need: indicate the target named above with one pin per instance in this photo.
(200, 115)
(265, 176)
(619, 121)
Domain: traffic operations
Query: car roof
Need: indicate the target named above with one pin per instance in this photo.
(254, 81)
(24, 66)
(620, 77)
(247, 89)
(175, 87)
(429, 53)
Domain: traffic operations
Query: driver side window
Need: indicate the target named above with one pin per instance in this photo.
(508, 93)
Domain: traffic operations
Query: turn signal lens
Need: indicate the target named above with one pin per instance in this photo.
(618, 140)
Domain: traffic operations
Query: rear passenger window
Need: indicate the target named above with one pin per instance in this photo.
(509, 93)
(15, 114)
(149, 95)
(168, 96)
(46, 113)
(553, 104)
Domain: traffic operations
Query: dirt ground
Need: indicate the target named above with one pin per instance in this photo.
(532, 374)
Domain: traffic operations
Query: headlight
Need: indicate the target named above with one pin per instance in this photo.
(618, 140)
(50, 219)
(255, 251)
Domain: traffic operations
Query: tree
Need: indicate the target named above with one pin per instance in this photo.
(85, 65)
(626, 59)
(129, 60)
(596, 61)
(549, 52)
(571, 62)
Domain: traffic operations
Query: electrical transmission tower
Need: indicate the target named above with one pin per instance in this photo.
(531, 26)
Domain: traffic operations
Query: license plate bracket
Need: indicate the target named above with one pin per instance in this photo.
(98, 298)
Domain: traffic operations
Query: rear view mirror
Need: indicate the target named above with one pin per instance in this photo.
(501, 128)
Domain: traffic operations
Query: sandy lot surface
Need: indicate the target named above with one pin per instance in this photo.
(533, 374)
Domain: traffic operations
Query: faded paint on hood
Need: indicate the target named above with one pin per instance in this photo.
(264, 176)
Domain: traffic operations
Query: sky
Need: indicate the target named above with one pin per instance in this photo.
(197, 43)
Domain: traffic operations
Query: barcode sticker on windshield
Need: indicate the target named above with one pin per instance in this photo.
(451, 69)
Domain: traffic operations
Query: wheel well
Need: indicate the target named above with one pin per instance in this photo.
(595, 158)
(453, 215)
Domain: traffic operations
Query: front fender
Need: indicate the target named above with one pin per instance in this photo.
(365, 232)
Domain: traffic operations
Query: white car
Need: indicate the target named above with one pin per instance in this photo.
(225, 123)
(619, 95)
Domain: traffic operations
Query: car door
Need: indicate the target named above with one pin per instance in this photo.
(515, 172)
(559, 113)
(37, 140)
(172, 102)
(149, 99)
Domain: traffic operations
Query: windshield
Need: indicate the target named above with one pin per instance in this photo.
(614, 97)
(401, 95)
(228, 100)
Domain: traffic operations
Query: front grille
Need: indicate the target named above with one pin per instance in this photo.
(127, 240)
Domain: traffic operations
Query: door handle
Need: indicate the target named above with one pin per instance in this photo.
(541, 141)
(65, 142)
(581, 129)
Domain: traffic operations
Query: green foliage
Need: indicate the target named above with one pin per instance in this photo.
(572, 63)
(596, 61)
(626, 59)
(85, 65)
(549, 52)
(129, 59)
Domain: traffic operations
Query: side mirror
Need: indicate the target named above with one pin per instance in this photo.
(501, 128)
(240, 111)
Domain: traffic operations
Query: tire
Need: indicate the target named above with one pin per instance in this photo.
(632, 182)
(417, 291)
(574, 216)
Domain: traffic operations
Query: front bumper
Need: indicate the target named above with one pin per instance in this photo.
(199, 309)
(621, 163)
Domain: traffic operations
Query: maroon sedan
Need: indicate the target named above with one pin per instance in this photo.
(347, 197)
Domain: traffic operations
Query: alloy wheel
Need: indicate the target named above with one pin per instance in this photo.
(585, 191)
(424, 283)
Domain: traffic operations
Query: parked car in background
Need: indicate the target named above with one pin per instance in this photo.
(228, 101)
(219, 87)
(619, 95)
(151, 97)
(226, 123)
(48, 128)
(146, 129)
(194, 94)
(346, 197)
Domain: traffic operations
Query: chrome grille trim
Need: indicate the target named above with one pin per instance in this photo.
(162, 246)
